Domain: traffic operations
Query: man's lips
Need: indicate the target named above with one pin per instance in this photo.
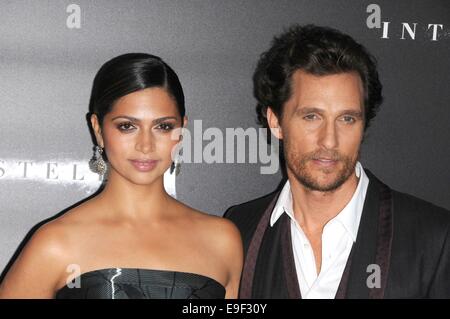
(323, 161)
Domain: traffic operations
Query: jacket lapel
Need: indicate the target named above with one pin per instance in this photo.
(254, 252)
(372, 249)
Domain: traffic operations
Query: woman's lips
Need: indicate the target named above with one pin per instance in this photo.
(144, 165)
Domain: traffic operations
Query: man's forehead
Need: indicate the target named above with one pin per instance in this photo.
(333, 92)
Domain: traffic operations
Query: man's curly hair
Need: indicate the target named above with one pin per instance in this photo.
(318, 51)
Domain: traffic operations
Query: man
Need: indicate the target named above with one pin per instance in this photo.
(334, 230)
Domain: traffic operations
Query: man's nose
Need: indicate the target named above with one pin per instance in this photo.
(328, 138)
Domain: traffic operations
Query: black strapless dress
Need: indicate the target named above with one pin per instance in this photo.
(131, 283)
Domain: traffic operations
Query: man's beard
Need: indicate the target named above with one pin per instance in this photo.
(297, 163)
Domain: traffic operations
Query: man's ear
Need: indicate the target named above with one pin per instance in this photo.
(274, 124)
(97, 130)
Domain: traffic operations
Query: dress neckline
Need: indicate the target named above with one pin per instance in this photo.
(90, 272)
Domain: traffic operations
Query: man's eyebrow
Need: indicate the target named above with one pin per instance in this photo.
(155, 121)
(306, 110)
(354, 113)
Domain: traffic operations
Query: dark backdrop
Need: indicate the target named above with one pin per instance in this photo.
(47, 68)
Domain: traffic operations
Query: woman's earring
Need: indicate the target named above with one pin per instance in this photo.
(97, 163)
(176, 164)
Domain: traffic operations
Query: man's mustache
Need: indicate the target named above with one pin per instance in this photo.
(321, 154)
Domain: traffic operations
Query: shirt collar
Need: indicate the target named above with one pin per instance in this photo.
(349, 217)
(284, 204)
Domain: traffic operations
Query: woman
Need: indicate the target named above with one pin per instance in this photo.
(133, 240)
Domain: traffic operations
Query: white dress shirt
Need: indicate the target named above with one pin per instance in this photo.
(338, 236)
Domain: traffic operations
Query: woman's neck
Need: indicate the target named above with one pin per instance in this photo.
(127, 200)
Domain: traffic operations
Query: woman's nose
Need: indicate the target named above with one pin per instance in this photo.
(145, 142)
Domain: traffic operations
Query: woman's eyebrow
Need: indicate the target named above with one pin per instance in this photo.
(155, 121)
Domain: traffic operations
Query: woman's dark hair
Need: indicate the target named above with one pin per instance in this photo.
(129, 73)
(319, 51)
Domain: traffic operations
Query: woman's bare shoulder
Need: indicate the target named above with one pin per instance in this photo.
(53, 242)
(37, 270)
(221, 232)
(205, 220)
(43, 261)
(223, 240)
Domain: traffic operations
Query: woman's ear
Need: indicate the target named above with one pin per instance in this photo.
(274, 124)
(97, 130)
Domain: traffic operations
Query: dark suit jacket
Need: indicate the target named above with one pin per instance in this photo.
(408, 237)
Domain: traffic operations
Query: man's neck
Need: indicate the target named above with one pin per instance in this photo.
(314, 209)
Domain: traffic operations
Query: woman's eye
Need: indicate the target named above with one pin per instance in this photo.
(165, 126)
(125, 126)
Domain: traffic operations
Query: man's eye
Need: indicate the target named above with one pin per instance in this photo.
(311, 117)
(165, 126)
(125, 126)
(349, 119)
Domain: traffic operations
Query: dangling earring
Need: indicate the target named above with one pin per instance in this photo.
(176, 164)
(172, 167)
(97, 164)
